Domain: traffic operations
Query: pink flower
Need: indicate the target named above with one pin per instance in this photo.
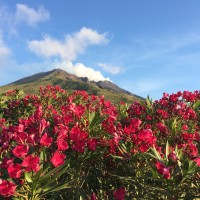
(144, 147)
(119, 194)
(45, 140)
(43, 125)
(163, 170)
(77, 110)
(197, 160)
(20, 151)
(79, 146)
(20, 128)
(21, 137)
(146, 135)
(7, 188)
(92, 144)
(185, 127)
(161, 127)
(62, 144)
(31, 162)
(172, 156)
(135, 122)
(58, 159)
(6, 163)
(14, 170)
(77, 135)
(93, 196)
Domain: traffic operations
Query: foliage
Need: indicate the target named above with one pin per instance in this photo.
(74, 146)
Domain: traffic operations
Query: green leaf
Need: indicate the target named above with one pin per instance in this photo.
(117, 157)
(156, 153)
(151, 155)
(167, 150)
(56, 176)
(95, 119)
(192, 167)
(57, 187)
(148, 101)
(28, 177)
(42, 155)
(196, 104)
(47, 176)
(91, 116)
(154, 173)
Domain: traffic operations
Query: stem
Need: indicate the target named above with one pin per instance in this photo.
(21, 195)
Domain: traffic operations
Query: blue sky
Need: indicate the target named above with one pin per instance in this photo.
(146, 47)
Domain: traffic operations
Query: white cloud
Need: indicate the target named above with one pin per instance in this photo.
(68, 50)
(80, 70)
(70, 47)
(48, 47)
(30, 15)
(6, 20)
(24, 15)
(5, 53)
(4, 50)
(111, 68)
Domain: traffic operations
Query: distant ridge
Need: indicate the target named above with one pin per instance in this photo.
(71, 82)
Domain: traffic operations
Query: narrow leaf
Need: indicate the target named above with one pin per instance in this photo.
(28, 177)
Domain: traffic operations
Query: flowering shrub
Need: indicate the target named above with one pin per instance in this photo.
(75, 146)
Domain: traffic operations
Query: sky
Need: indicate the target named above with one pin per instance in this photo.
(146, 47)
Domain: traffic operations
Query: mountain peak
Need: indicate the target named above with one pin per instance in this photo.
(71, 82)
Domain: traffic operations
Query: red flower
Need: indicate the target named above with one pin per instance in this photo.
(162, 169)
(31, 162)
(62, 144)
(161, 127)
(146, 136)
(197, 160)
(7, 188)
(119, 194)
(93, 196)
(20, 128)
(144, 147)
(21, 137)
(45, 140)
(185, 127)
(58, 159)
(92, 144)
(77, 135)
(5, 163)
(20, 151)
(43, 125)
(188, 137)
(77, 110)
(135, 122)
(191, 150)
(14, 170)
(172, 156)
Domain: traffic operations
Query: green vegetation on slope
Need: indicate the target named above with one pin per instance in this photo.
(31, 85)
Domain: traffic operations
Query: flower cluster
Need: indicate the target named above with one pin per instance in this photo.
(80, 143)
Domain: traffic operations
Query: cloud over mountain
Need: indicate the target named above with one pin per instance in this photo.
(68, 49)
(112, 69)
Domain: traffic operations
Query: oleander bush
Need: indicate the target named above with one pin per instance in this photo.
(78, 146)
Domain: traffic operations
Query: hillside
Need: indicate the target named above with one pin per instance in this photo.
(70, 83)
